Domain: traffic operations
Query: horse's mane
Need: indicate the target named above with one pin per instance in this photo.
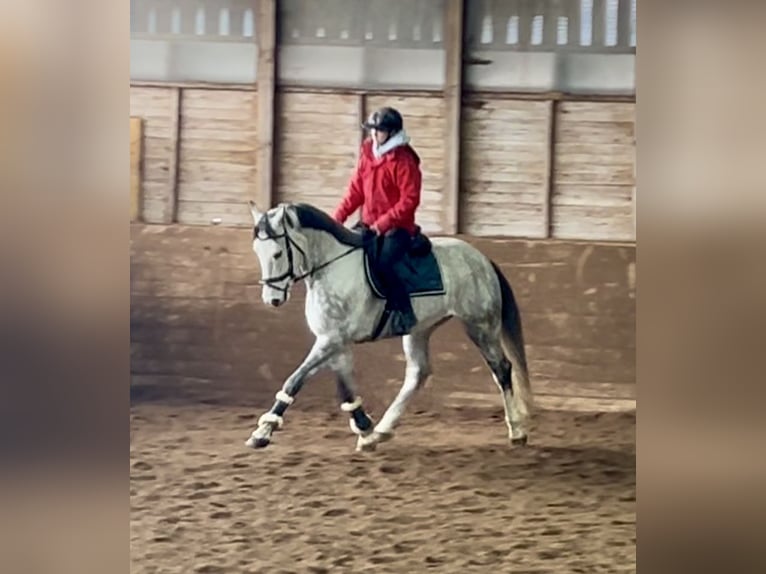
(311, 217)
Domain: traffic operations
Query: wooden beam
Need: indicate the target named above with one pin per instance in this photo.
(633, 195)
(170, 209)
(194, 85)
(623, 24)
(136, 169)
(550, 170)
(525, 12)
(361, 116)
(453, 96)
(500, 94)
(497, 93)
(574, 32)
(266, 23)
(599, 23)
(550, 12)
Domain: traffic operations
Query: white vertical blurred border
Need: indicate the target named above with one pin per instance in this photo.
(701, 268)
(64, 299)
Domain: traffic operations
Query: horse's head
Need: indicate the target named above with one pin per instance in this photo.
(280, 256)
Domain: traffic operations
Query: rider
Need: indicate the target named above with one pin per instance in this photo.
(386, 185)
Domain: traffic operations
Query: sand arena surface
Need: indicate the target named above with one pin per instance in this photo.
(447, 494)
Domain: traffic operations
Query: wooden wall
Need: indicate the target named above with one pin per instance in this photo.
(505, 167)
(217, 167)
(157, 107)
(532, 168)
(550, 171)
(199, 153)
(594, 171)
(317, 145)
(197, 321)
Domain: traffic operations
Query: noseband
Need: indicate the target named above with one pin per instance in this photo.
(264, 230)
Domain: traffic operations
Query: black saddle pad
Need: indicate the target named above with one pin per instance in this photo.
(418, 270)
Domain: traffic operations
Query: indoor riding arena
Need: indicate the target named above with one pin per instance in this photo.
(523, 114)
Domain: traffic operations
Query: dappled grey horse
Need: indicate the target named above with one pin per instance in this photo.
(295, 242)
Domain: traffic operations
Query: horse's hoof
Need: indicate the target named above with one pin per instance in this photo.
(519, 441)
(385, 436)
(260, 442)
(366, 443)
(366, 447)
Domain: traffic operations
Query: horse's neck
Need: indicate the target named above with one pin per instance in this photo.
(321, 248)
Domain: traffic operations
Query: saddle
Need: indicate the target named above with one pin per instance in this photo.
(418, 269)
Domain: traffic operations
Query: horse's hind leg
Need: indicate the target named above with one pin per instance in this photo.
(487, 339)
(417, 372)
(350, 402)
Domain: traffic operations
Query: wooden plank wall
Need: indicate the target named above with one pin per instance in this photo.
(518, 179)
(217, 165)
(155, 106)
(426, 124)
(197, 321)
(504, 173)
(199, 157)
(316, 146)
(594, 171)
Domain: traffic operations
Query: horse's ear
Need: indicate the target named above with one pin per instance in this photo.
(255, 212)
(283, 216)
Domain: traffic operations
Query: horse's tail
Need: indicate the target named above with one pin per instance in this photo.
(513, 343)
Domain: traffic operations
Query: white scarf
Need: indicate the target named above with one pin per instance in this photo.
(400, 138)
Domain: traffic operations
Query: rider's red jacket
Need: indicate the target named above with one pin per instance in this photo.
(386, 188)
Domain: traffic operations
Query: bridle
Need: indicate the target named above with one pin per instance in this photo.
(264, 227)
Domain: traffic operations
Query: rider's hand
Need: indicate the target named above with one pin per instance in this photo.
(367, 233)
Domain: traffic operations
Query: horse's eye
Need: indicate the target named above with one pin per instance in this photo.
(277, 255)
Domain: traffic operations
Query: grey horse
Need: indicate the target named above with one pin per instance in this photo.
(295, 242)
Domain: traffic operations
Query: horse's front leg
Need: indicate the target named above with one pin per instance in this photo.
(323, 350)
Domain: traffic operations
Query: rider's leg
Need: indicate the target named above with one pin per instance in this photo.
(395, 244)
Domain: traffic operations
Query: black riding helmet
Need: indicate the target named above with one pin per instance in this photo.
(386, 120)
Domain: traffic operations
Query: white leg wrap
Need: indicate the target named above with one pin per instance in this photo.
(348, 407)
(284, 397)
(270, 419)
